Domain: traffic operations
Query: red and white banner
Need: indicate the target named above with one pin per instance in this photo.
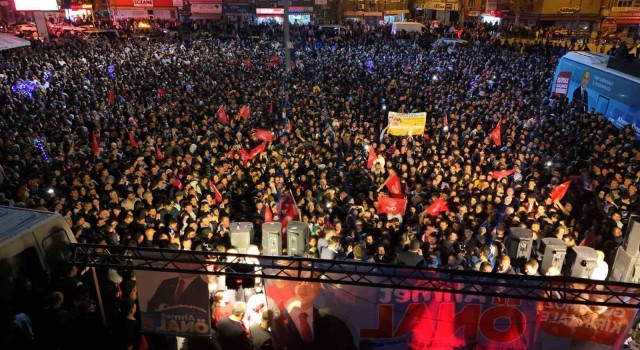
(371, 158)
(263, 135)
(393, 206)
(393, 184)
(373, 318)
(562, 83)
(496, 134)
(436, 207)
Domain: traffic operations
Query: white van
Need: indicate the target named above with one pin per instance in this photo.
(32, 244)
(409, 27)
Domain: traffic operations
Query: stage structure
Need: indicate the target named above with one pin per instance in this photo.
(550, 289)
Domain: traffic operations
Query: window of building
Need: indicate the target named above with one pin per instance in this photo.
(628, 3)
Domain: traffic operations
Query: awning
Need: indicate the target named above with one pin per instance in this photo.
(626, 20)
(8, 41)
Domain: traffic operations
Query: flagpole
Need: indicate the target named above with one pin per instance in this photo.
(296, 205)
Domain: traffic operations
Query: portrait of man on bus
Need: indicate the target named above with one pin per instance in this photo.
(580, 94)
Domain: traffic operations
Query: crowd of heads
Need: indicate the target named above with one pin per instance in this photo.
(124, 139)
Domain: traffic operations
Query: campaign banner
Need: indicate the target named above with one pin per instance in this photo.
(393, 206)
(360, 317)
(607, 93)
(580, 326)
(406, 124)
(206, 6)
(174, 304)
(562, 83)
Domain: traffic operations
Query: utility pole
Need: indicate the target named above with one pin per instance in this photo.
(287, 41)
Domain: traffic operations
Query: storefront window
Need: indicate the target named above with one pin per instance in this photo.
(300, 19)
(270, 20)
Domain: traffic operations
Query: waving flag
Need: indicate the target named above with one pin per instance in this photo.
(271, 108)
(159, 155)
(247, 63)
(392, 150)
(287, 211)
(559, 192)
(496, 134)
(132, 141)
(436, 207)
(256, 151)
(216, 192)
(161, 91)
(268, 214)
(245, 156)
(111, 97)
(372, 157)
(263, 135)
(393, 206)
(289, 126)
(502, 173)
(393, 184)
(222, 115)
(244, 112)
(94, 144)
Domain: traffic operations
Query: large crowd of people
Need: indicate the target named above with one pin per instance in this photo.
(126, 140)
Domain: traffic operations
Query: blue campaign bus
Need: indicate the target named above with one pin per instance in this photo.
(587, 81)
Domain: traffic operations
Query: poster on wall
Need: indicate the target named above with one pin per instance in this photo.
(407, 124)
(174, 303)
(316, 315)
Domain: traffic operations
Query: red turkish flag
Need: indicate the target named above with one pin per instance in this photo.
(245, 156)
(436, 207)
(230, 154)
(289, 126)
(216, 192)
(111, 97)
(256, 151)
(496, 134)
(268, 214)
(161, 91)
(503, 173)
(94, 144)
(222, 115)
(271, 108)
(393, 206)
(372, 157)
(275, 58)
(263, 135)
(132, 141)
(393, 184)
(159, 155)
(287, 211)
(559, 192)
(244, 112)
(247, 63)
